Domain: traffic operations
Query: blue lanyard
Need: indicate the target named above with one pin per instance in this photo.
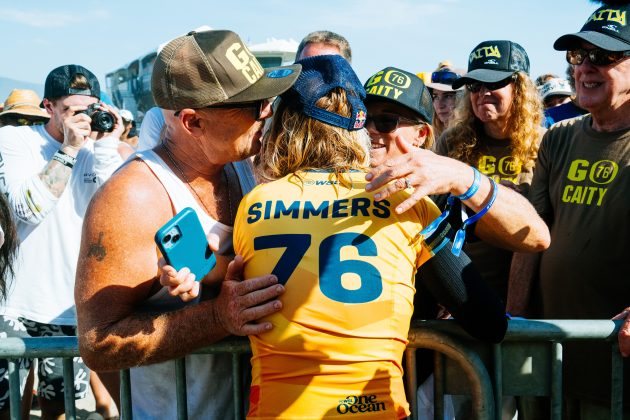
(460, 236)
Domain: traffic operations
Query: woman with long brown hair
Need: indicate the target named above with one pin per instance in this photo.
(496, 130)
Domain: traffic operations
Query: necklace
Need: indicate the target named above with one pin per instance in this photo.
(227, 184)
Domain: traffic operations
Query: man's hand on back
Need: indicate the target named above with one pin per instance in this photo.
(242, 302)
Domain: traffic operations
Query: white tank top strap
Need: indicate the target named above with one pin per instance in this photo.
(181, 197)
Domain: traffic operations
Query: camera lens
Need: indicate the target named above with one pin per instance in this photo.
(103, 121)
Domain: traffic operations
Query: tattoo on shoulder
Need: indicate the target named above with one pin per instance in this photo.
(97, 250)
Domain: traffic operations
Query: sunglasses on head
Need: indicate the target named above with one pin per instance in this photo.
(386, 123)
(597, 56)
(444, 77)
(475, 87)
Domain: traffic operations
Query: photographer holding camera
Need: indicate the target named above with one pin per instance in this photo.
(49, 175)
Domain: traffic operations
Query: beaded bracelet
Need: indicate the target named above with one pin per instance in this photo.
(65, 159)
(473, 188)
(460, 236)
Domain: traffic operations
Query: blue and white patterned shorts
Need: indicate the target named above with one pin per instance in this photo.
(50, 370)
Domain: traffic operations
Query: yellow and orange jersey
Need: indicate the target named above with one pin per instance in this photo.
(348, 265)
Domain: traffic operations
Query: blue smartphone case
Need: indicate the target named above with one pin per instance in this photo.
(183, 243)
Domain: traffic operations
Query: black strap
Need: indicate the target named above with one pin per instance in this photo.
(236, 192)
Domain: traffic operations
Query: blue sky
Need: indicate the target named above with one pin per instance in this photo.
(411, 34)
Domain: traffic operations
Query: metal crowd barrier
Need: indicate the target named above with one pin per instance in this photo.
(456, 350)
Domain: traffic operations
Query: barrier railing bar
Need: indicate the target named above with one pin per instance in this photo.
(468, 360)
(438, 386)
(616, 385)
(497, 359)
(14, 390)
(237, 386)
(556, 380)
(533, 329)
(69, 389)
(427, 334)
(180, 389)
(411, 381)
(125, 395)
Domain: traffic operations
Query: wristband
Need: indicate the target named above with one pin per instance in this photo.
(473, 188)
(460, 236)
(64, 158)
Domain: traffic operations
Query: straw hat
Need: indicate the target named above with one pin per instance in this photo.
(24, 102)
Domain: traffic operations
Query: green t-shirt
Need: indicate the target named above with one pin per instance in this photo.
(581, 187)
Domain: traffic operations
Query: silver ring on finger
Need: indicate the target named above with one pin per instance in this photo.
(407, 183)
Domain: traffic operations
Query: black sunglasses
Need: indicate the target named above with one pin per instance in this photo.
(444, 77)
(475, 87)
(597, 56)
(386, 123)
(258, 106)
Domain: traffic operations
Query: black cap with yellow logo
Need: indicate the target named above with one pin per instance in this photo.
(402, 87)
(493, 61)
(606, 28)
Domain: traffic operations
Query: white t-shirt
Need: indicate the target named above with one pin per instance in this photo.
(49, 228)
(150, 129)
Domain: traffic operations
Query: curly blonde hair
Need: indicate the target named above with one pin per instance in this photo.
(296, 142)
(524, 121)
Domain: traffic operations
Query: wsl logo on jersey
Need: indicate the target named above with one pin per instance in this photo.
(355, 404)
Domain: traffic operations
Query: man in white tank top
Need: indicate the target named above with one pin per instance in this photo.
(127, 318)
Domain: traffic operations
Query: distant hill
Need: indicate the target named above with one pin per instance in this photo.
(7, 85)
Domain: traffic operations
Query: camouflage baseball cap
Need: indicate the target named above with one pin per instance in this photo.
(213, 67)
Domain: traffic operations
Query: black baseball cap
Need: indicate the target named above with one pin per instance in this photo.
(58, 82)
(401, 87)
(493, 61)
(606, 28)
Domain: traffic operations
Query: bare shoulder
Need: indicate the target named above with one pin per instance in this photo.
(118, 231)
(127, 193)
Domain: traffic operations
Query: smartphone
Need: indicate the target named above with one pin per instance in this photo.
(183, 243)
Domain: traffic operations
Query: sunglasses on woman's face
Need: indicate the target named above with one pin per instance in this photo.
(386, 123)
(444, 77)
(597, 56)
(475, 87)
